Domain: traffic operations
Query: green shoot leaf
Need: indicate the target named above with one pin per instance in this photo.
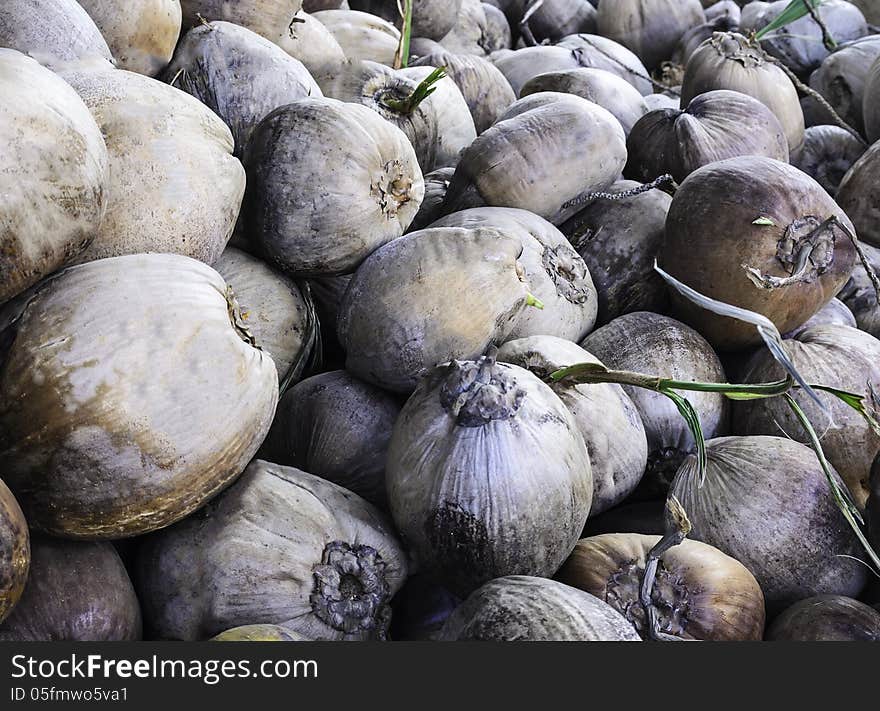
(764, 222)
(856, 402)
(795, 10)
(420, 93)
(692, 418)
(401, 56)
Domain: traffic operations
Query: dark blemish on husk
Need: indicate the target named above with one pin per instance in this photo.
(569, 273)
(460, 545)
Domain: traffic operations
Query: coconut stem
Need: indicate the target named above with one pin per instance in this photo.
(420, 93)
(401, 56)
(827, 39)
(802, 273)
(665, 180)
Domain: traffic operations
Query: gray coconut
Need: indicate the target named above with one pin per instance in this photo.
(55, 173)
(601, 87)
(487, 475)
(618, 241)
(729, 61)
(858, 196)
(328, 183)
(429, 297)
(827, 155)
(826, 618)
(485, 89)
(532, 158)
(163, 144)
(520, 608)
(430, 18)
(361, 35)
(439, 127)
(652, 344)
(76, 592)
(338, 428)
(716, 125)
(603, 53)
(834, 313)
(309, 41)
(650, 28)
(556, 19)
(15, 552)
(473, 32)
(59, 34)
(141, 34)
(553, 270)
(279, 547)
(278, 312)
(859, 294)
(265, 17)
(606, 417)
(130, 394)
(765, 501)
(841, 357)
(239, 75)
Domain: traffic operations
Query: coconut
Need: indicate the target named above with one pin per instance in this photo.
(484, 88)
(520, 608)
(438, 125)
(605, 415)
(473, 32)
(602, 53)
(827, 155)
(619, 240)
(259, 633)
(279, 313)
(723, 22)
(597, 85)
(163, 144)
(859, 294)
(834, 313)
(281, 546)
(430, 18)
(657, 345)
(117, 421)
(714, 126)
(309, 41)
(239, 75)
(556, 275)
(394, 327)
(59, 34)
(487, 475)
(777, 254)
(766, 502)
(265, 17)
(78, 592)
(436, 185)
(361, 35)
(532, 158)
(699, 592)
(556, 19)
(15, 552)
(859, 197)
(497, 34)
(141, 34)
(827, 618)
(302, 150)
(338, 428)
(870, 9)
(729, 61)
(650, 28)
(55, 171)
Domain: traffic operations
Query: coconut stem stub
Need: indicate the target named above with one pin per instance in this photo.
(477, 392)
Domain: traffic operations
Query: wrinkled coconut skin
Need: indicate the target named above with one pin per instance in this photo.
(90, 447)
(711, 240)
(841, 357)
(700, 593)
(766, 502)
(520, 608)
(799, 44)
(842, 78)
(439, 128)
(649, 343)
(826, 618)
(394, 322)
(619, 240)
(239, 75)
(311, 43)
(650, 28)
(269, 18)
(553, 270)
(141, 34)
(716, 125)
(859, 197)
(299, 150)
(473, 32)
(54, 177)
(606, 416)
(163, 144)
(859, 295)
(256, 555)
(828, 154)
(430, 18)
(362, 35)
(279, 314)
(336, 427)
(727, 61)
(532, 158)
(601, 87)
(259, 633)
(15, 552)
(501, 488)
(59, 34)
(75, 592)
(485, 89)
